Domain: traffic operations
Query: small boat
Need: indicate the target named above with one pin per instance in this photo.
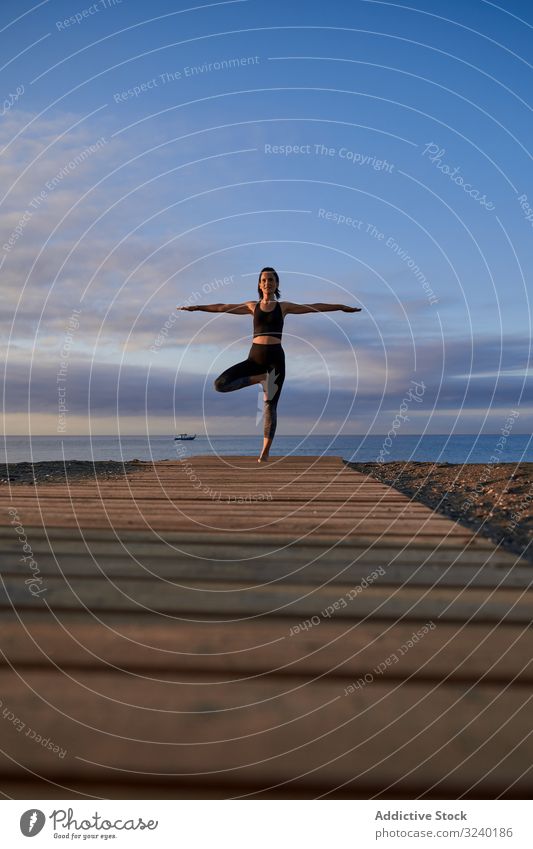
(185, 436)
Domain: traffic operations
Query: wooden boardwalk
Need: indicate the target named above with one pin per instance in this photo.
(217, 628)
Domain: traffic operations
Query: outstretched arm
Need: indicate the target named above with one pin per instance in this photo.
(302, 308)
(236, 309)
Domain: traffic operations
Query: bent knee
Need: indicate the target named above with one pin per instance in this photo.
(220, 383)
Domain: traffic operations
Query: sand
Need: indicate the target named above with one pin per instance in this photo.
(494, 499)
(57, 471)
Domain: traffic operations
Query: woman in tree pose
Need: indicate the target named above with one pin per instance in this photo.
(265, 363)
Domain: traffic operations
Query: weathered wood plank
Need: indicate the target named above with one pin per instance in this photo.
(331, 571)
(202, 599)
(280, 504)
(215, 539)
(247, 521)
(244, 649)
(273, 510)
(269, 731)
(260, 563)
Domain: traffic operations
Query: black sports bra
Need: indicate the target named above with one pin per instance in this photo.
(268, 323)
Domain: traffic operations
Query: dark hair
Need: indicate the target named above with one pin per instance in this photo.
(277, 293)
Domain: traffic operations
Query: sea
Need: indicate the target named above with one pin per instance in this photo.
(514, 448)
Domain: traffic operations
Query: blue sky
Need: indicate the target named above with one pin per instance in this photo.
(376, 154)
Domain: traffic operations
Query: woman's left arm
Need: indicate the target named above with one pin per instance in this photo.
(298, 309)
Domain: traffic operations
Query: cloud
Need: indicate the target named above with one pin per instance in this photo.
(69, 238)
(102, 389)
(85, 247)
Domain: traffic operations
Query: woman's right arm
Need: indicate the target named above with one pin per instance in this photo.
(236, 309)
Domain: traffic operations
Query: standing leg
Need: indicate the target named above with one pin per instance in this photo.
(265, 366)
(272, 391)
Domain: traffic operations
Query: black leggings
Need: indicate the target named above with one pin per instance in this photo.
(262, 359)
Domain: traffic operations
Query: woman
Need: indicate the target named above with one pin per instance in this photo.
(265, 363)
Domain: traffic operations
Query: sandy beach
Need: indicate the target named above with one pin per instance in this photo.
(56, 471)
(495, 500)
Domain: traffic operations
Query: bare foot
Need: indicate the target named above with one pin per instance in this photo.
(263, 458)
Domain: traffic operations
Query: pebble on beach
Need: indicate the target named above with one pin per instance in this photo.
(495, 500)
(57, 471)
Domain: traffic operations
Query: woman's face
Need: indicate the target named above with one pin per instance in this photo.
(268, 284)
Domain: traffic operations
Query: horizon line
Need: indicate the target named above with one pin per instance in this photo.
(238, 435)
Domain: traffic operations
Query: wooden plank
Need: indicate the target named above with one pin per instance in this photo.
(268, 496)
(233, 509)
(215, 539)
(271, 731)
(316, 574)
(248, 650)
(71, 541)
(261, 564)
(280, 505)
(182, 569)
(63, 509)
(285, 530)
(272, 510)
(247, 521)
(314, 490)
(235, 461)
(215, 495)
(207, 599)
